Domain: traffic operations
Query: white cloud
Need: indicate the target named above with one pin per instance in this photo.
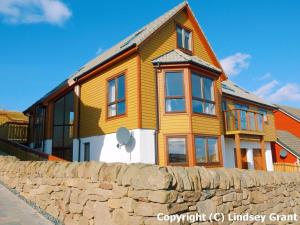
(34, 11)
(266, 76)
(289, 92)
(266, 89)
(99, 51)
(234, 64)
(274, 93)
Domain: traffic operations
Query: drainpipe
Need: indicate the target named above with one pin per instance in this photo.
(157, 114)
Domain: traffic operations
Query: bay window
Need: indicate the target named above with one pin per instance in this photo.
(203, 98)
(207, 150)
(177, 152)
(174, 92)
(116, 96)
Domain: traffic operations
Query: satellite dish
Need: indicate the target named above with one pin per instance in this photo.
(123, 136)
(283, 153)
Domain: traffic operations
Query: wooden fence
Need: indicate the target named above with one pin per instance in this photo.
(286, 167)
(13, 131)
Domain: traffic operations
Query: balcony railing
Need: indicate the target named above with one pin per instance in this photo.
(244, 122)
(13, 131)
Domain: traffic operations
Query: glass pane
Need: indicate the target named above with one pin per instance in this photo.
(179, 37)
(243, 120)
(208, 89)
(200, 145)
(58, 136)
(121, 108)
(174, 84)
(210, 108)
(260, 122)
(68, 136)
(69, 108)
(252, 121)
(112, 91)
(112, 110)
(213, 152)
(86, 151)
(121, 87)
(197, 86)
(175, 105)
(187, 40)
(198, 106)
(177, 150)
(59, 112)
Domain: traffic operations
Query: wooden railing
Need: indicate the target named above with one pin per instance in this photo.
(13, 131)
(244, 121)
(286, 167)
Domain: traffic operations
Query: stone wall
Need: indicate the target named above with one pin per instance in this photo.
(119, 194)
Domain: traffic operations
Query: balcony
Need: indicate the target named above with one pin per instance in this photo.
(240, 121)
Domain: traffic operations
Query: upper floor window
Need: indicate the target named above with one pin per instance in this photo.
(116, 96)
(175, 100)
(203, 95)
(184, 38)
(264, 113)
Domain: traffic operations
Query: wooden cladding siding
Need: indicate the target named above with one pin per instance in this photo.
(270, 131)
(160, 43)
(93, 105)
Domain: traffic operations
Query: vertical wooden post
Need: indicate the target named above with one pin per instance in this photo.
(263, 153)
(76, 111)
(238, 151)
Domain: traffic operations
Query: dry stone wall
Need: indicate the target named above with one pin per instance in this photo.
(138, 194)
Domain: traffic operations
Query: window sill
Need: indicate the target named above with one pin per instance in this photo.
(211, 164)
(189, 52)
(204, 115)
(115, 117)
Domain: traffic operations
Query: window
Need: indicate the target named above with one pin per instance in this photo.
(174, 89)
(63, 123)
(243, 116)
(203, 95)
(116, 96)
(264, 113)
(38, 123)
(184, 38)
(207, 150)
(87, 151)
(177, 150)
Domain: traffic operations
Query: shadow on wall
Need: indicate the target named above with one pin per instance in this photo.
(90, 129)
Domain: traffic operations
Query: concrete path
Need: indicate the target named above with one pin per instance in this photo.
(14, 211)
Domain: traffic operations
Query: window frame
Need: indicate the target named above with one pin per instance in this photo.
(166, 97)
(265, 116)
(117, 101)
(186, 149)
(203, 100)
(184, 28)
(84, 151)
(207, 163)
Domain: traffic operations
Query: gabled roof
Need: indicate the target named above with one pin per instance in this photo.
(289, 141)
(230, 88)
(177, 56)
(293, 112)
(128, 43)
(134, 39)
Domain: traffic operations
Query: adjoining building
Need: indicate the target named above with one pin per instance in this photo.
(287, 146)
(163, 83)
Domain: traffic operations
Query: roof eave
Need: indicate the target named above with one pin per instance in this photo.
(188, 62)
(249, 100)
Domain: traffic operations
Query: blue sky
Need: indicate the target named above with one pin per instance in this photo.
(43, 41)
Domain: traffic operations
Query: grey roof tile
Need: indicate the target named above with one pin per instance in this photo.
(230, 88)
(134, 39)
(290, 141)
(290, 110)
(178, 56)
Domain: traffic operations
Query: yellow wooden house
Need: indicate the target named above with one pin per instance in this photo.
(163, 83)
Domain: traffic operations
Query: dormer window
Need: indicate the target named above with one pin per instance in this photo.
(184, 38)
